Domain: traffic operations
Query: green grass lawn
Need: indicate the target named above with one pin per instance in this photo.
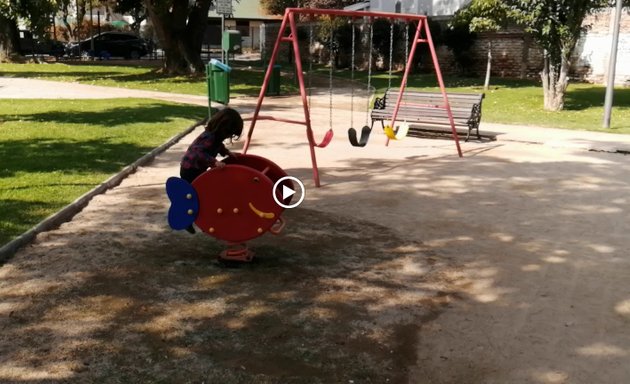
(509, 101)
(53, 151)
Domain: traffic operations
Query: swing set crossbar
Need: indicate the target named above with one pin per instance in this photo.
(354, 14)
(289, 21)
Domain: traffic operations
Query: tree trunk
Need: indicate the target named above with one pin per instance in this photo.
(195, 32)
(80, 16)
(555, 80)
(486, 83)
(138, 18)
(180, 29)
(65, 12)
(525, 56)
(9, 38)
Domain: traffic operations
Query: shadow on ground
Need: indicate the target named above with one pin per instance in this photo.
(353, 290)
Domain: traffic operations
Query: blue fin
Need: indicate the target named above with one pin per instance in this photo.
(184, 203)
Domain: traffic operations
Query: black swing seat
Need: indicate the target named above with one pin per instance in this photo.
(362, 141)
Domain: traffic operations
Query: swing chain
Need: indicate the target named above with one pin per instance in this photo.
(406, 43)
(310, 63)
(391, 54)
(352, 77)
(330, 75)
(406, 48)
(369, 82)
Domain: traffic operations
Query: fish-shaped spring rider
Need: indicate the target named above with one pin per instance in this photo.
(234, 203)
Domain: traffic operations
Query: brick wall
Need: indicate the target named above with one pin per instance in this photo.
(516, 55)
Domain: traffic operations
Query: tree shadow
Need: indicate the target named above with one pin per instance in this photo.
(113, 117)
(283, 316)
(385, 275)
(578, 99)
(529, 259)
(19, 215)
(67, 156)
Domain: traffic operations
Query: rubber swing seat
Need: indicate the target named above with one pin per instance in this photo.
(399, 133)
(362, 141)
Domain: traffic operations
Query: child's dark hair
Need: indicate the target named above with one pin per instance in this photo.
(227, 124)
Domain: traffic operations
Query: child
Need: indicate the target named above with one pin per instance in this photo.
(201, 154)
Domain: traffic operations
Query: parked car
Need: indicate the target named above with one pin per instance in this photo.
(111, 44)
(31, 45)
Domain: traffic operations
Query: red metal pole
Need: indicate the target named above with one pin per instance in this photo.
(307, 116)
(406, 75)
(436, 65)
(263, 89)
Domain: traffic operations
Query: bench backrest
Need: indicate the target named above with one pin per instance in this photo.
(456, 100)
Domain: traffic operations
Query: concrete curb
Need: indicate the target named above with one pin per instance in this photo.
(70, 210)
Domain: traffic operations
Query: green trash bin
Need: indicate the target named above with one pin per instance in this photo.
(218, 77)
(273, 88)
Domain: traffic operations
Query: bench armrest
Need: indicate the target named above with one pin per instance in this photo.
(379, 103)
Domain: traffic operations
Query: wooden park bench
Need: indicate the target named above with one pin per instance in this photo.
(425, 112)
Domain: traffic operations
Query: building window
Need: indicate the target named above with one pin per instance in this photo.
(398, 7)
(243, 27)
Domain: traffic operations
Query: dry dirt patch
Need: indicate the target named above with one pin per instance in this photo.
(332, 300)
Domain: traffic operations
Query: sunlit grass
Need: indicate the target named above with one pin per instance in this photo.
(53, 151)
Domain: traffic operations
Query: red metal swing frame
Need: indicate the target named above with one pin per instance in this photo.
(289, 18)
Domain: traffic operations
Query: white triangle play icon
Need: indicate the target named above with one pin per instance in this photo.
(287, 192)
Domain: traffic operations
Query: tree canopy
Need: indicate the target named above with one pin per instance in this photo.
(556, 26)
(135, 8)
(482, 15)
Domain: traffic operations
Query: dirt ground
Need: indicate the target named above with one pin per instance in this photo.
(409, 265)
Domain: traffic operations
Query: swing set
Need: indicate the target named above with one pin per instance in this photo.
(392, 131)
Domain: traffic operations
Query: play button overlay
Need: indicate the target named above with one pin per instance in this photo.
(288, 192)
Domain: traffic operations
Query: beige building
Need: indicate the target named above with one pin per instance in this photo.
(248, 17)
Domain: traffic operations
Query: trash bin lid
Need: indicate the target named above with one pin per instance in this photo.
(219, 64)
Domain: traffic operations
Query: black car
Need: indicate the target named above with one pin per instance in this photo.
(111, 44)
(31, 45)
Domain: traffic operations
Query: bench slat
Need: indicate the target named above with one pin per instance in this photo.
(402, 115)
(437, 95)
(424, 112)
(460, 122)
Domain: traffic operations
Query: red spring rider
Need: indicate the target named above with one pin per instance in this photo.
(234, 203)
